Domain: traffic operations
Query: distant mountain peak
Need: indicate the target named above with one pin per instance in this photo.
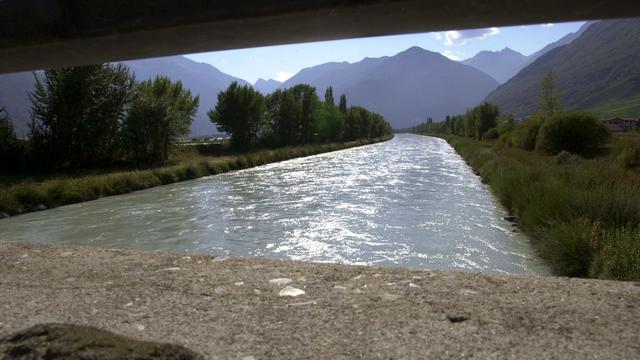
(593, 66)
(266, 86)
(500, 65)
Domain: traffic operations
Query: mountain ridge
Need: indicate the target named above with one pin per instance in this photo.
(599, 66)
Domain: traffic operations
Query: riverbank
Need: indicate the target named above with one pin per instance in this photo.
(28, 196)
(232, 308)
(583, 215)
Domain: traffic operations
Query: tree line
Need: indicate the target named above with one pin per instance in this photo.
(293, 116)
(98, 115)
(550, 130)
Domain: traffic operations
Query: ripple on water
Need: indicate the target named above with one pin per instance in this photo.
(411, 201)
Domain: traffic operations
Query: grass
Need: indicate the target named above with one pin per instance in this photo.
(29, 194)
(582, 215)
(629, 107)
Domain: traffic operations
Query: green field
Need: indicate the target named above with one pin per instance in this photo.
(629, 107)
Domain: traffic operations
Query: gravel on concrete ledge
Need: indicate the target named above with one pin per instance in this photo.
(235, 308)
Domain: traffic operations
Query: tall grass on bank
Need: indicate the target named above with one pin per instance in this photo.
(583, 216)
(31, 196)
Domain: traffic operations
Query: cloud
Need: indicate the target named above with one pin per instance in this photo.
(453, 55)
(460, 37)
(547, 25)
(283, 76)
(436, 35)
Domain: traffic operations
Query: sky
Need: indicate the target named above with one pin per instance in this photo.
(283, 61)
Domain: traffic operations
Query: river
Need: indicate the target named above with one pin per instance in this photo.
(411, 201)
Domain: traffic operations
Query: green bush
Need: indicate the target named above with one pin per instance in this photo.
(491, 134)
(628, 157)
(576, 132)
(525, 135)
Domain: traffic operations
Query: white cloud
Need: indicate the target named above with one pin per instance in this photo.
(453, 55)
(460, 37)
(283, 76)
(547, 25)
(436, 35)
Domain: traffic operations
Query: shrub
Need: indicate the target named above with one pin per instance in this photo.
(628, 157)
(525, 135)
(566, 158)
(491, 134)
(576, 132)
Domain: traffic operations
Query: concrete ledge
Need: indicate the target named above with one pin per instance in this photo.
(228, 308)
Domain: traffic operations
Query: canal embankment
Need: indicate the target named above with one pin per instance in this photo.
(582, 214)
(37, 195)
(235, 308)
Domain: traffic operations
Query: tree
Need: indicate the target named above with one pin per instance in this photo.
(161, 112)
(328, 122)
(77, 113)
(240, 111)
(328, 96)
(282, 110)
(485, 117)
(307, 103)
(549, 95)
(343, 103)
(8, 143)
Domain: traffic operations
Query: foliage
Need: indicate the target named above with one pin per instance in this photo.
(506, 124)
(484, 117)
(576, 132)
(549, 95)
(476, 122)
(296, 116)
(328, 97)
(628, 157)
(582, 215)
(77, 112)
(161, 112)
(526, 134)
(11, 152)
(239, 112)
(343, 104)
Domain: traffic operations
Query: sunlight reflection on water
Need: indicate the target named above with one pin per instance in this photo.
(411, 201)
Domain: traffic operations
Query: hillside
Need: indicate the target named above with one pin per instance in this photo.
(560, 42)
(501, 65)
(405, 88)
(600, 66)
(629, 107)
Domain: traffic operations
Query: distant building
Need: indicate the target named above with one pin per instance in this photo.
(617, 124)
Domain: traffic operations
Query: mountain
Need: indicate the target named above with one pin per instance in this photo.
(501, 65)
(562, 41)
(202, 79)
(14, 90)
(598, 67)
(266, 87)
(405, 88)
(504, 64)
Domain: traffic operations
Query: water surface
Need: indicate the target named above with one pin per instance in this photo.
(411, 201)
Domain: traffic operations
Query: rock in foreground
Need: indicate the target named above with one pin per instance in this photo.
(70, 342)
